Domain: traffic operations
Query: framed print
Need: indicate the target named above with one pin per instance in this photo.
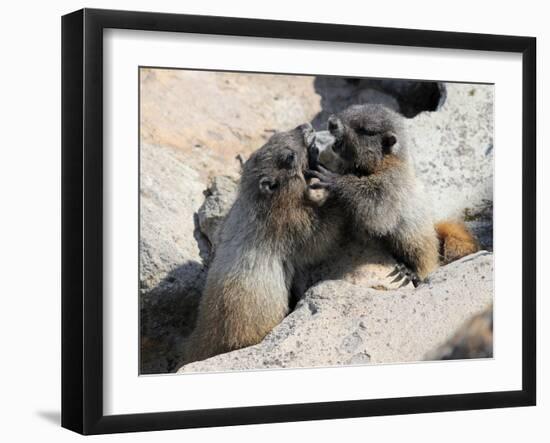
(270, 221)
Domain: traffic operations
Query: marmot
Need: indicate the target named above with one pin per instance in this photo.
(473, 340)
(273, 230)
(371, 174)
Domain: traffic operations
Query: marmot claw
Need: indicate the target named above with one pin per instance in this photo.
(404, 275)
(326, 178)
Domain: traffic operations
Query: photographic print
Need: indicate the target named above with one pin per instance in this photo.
(301, 221)
(235, 221)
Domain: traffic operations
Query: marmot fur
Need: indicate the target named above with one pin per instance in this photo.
(371, 174)
(273, 230)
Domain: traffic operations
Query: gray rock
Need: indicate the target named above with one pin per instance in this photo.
(368, 264)
(171, 254)
(453, 150)
(339, 323)
(220, 195)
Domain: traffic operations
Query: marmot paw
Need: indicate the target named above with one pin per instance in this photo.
(327, 179)
(404, 275)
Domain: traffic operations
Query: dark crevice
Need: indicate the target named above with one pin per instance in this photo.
(404, 96)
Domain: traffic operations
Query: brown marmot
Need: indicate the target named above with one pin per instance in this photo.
(273, 230)
(474, 339)
(369, 171)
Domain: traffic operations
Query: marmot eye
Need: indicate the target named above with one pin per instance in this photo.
(289, 160)
(361, 130)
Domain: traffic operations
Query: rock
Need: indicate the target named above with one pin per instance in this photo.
(368, 264)
(453, 150)
(220, 195)
(339, 323)
(171, 254)
(211, 117)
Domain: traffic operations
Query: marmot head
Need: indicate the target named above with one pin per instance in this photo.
(365, 138)
(276, 170)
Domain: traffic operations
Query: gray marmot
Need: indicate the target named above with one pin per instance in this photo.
(273, 230)
(371, 174)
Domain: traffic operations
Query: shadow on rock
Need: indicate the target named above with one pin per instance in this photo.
(404, 96)
(168, 314)
(168, 310)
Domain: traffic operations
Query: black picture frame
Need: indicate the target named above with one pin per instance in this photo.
(82, 220)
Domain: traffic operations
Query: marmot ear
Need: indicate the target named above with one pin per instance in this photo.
(389, 143)
(267, 185)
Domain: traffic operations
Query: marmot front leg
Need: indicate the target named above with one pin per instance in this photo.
(417, 254)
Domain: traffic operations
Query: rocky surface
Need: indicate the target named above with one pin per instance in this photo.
(453, 149)
(212, 117)
(196, 128)
(220, 195)
(171, 254)
(342, 323)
